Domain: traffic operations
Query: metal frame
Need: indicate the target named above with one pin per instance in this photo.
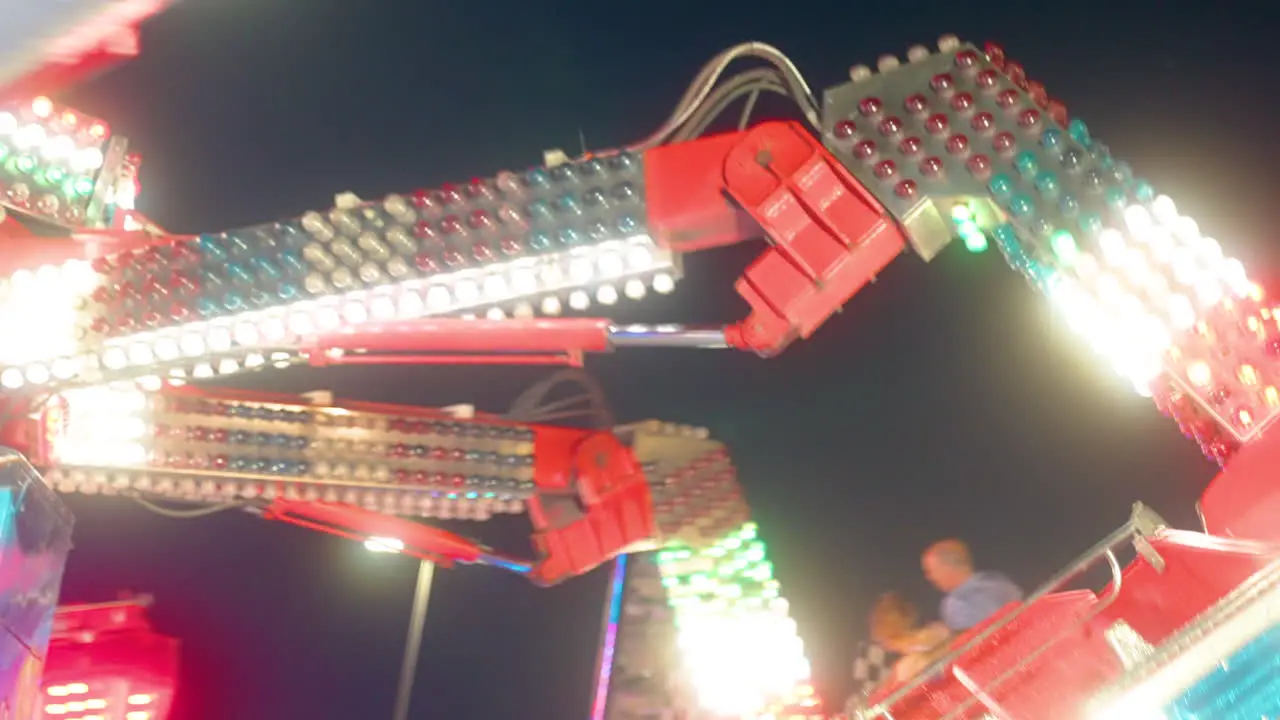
(1199, 648)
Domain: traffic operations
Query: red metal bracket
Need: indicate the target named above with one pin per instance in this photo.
(593, 503)
(454, 341)
(829, 237)
(348, 521)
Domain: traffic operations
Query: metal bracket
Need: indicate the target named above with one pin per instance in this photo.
(1146, 523)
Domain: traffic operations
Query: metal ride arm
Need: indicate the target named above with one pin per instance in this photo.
(827, 238)
(358, 469)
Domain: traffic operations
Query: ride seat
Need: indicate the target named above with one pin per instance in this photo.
(1043, 688)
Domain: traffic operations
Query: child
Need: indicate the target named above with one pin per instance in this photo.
(894, 625)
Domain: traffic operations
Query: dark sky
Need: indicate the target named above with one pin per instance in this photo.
(945, 401)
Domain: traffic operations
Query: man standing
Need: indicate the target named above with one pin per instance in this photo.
(971, 596)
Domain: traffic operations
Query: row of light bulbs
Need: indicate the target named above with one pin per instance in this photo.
(198, 342)
(1122, 327)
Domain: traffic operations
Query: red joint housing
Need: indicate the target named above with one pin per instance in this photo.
(829, 235)
(684, 193)
(593, 502)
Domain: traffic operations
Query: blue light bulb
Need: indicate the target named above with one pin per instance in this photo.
(238, 274)
(1047, 184)
(292, 262)
(232, 302)
(540, 241)
(628, 225)
(1026, 163)
(211, 248)
(1001, 185)
(1079, 132)
(1116, 198)
(1143, 192)
(1021, 205)
(266, 269)
(206, 307)
(1051, 139)
(1091, 224)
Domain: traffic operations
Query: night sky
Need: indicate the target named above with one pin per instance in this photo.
(945, 400)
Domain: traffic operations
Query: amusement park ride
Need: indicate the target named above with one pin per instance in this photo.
(121, 321)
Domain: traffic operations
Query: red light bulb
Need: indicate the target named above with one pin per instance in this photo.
(870, 107)
(425, 263)
(478, 189)
(844, 130)
(942, 83)
(890, 126)
(916, 104)
(1017, 74)
(452, 225)
(886, 169)
(449, 195)
(910, 146)
(937, 124)
(510, 246)
(966, 58)
(995, 54)
(1058, 111)
(1037, 92)
(931, 166)
(453, 259)
(979, 166)
(987, 80)
(864, 150)
(423, 230)
(1008, 99)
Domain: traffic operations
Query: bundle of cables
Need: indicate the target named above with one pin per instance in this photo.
(707, 97)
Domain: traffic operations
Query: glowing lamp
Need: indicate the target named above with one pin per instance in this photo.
(107, 662)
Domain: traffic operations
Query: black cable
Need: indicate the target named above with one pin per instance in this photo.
(699, 127)
(187, 514)
(532, 404)
(703, 86)
(741, 85)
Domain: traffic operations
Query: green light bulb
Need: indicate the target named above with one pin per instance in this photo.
(974, 242)
(961, 213)
(1064, 246)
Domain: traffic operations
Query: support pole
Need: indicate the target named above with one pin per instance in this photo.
(413, 639)
(608, 637)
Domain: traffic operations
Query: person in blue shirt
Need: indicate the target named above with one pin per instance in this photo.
(972, 595)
